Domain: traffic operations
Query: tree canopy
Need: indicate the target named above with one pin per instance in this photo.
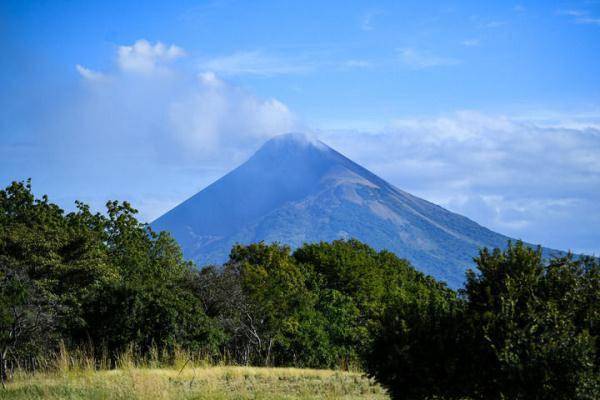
(522, 327)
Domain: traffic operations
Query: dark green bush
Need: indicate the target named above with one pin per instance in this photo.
(523, 329)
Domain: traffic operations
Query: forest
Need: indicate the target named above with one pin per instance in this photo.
(105, 283)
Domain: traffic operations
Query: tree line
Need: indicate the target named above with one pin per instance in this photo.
(521, 327)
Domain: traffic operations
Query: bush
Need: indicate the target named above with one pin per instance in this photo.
(522, 329)
(90, 280)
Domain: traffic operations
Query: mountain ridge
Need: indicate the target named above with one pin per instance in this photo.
(296, 189)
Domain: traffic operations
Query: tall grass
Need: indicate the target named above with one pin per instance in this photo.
(176, 374)
(87, 359)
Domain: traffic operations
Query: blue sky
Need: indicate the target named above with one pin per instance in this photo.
(491, 110)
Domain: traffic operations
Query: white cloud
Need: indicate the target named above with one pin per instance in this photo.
(151, 131)
(366, 22)
(218, 117)
(417, 59)
(494, 24)
(197, 117)
(484, 23)
(145, 57)
(580, 17)
(572, 13)
(529, 177)
(474, 42)
(588, 21)
(89, 74)
(254, 63)
(357, 64)
(530, 180)
(209, 78)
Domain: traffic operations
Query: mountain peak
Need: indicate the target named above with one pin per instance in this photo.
(296, 189)
(294, 140)
(294, 137)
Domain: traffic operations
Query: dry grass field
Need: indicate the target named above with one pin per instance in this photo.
(205, 382)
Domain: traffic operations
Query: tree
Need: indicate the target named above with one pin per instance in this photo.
(274, 299)
(521, 329)
(420, 350)
(93, 280)
(535, 325)
(362, 283)
(27, 319)
(28, 241)
(317, 307)
(151, 302)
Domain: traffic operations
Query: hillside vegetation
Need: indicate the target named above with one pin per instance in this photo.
(107, 287)
(108, 282)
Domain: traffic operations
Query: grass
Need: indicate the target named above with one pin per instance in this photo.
(202, 382)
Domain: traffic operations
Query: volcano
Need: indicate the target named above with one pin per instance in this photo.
(296, 189)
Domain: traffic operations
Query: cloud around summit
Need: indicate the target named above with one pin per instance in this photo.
(526, 178)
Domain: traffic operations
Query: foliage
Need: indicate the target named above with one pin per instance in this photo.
(522, 329)
(362, 284)
(420, 351)
(89, 280)
(536, 325)
(108, 282)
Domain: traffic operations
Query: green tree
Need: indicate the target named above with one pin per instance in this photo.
(275, 299)
(362, 283)
(521, 329)
(27, 319)
(421, 350)
(150, 303)
(535, 325)
(102, 280)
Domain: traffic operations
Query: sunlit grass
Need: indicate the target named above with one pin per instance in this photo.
(191, 382)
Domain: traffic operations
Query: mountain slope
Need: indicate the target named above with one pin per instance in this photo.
(296, 190)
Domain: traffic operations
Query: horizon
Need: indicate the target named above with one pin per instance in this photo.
(490, 111)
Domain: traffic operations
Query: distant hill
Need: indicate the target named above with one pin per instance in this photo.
(295, 189)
